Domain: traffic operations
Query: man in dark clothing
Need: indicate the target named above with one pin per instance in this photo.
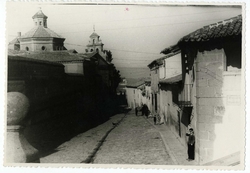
(143, 110)
(155, 119)
(146, 111)
(136, 111)
(191, 144)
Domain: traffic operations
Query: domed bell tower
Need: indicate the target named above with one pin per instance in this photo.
(40, 19)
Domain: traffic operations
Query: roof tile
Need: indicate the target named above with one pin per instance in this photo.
(229, 27)
(40, 31)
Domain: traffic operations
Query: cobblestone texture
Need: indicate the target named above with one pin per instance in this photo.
(133, 141)
(136, 140)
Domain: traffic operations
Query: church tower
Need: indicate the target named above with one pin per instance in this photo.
(40, 19)
(95, 44)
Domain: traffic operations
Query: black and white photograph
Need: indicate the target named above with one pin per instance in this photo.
(150, 85)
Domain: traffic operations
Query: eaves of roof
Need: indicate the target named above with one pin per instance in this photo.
(55, 56)
(15, 41)
(21, 58)
(159, 61)
(135, 85)
(171, 50)
(171, 80)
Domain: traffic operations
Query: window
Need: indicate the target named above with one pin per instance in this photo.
(27, 48)
(43, 48)
(40, 23)
(232, 63)
(232, 56)
(91, 50)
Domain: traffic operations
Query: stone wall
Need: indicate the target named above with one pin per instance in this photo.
(61, 105)
(213, 128)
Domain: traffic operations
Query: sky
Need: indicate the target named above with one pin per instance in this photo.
(135, 34)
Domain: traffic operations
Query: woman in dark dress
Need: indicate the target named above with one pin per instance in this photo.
(191, 144)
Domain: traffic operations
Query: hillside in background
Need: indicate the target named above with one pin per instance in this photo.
(131, 72)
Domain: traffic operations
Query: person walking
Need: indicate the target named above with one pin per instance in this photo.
(136, 111)
(146, 110)
(191, 144)
(155, 119)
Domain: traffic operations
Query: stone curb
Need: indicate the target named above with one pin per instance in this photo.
(165, 144)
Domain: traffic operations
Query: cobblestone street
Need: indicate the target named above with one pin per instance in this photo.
(133, 141)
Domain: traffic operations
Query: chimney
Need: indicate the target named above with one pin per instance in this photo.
(18, 34)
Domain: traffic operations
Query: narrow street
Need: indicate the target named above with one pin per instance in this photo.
(133, 141)
(124, 139)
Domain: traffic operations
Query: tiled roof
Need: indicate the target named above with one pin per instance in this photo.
(159, 61)
(134, 83)
(87, 54)
(226, 28)
(171, 80)
(39, 14)
(55, 56)
(15, 52)
(171, 49)
(21, 58)
(40, 32)
(15, 41)
(94, 35)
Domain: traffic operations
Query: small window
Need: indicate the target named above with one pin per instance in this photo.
(232, 64)
(40, 23)
(91, 50)
(27, 48)
(43, 48)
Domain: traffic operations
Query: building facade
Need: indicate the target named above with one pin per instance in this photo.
(213, 88)
(40, 38)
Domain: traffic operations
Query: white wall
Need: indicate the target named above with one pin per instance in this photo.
(76, 67)
(173, 66)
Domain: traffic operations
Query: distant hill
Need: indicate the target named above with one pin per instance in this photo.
(136, 73)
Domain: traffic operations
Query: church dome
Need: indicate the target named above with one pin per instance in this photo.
(39, 14)
(94, 35)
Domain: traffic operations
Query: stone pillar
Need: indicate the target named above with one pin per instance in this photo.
(17, 148)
